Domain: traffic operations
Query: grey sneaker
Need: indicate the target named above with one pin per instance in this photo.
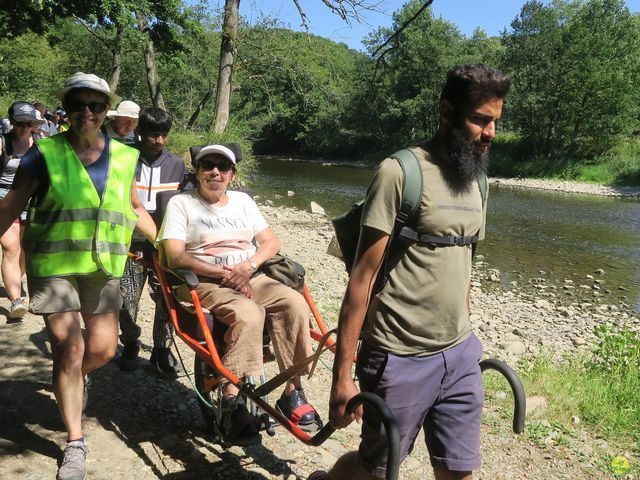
(73, 461)
(18, 309)
(85, 392)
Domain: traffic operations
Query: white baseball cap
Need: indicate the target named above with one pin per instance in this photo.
(127, 108)
(90, 81)
(216, 149)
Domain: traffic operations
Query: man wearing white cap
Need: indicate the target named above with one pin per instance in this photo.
(123, 121)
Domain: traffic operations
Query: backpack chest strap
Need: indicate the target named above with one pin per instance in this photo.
(438, 241)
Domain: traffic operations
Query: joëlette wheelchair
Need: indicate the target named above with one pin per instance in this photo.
(203, 334)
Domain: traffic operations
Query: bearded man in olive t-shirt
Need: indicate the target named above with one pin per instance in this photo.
(418, 351)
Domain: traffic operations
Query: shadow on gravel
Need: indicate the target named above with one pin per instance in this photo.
(159, 419)
(41, 341)
(26, 404)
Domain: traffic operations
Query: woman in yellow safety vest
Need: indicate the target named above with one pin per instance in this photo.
(82, 213)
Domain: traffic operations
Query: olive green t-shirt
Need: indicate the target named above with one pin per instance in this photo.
(422, 308)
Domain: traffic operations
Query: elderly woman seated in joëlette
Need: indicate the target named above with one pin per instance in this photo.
(210, 230)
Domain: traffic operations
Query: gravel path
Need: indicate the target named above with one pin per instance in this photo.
(140, 425)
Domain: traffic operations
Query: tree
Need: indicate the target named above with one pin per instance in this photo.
(575, 70)
(346, 9)
(153, 80)
(228, 51)
(156, 20)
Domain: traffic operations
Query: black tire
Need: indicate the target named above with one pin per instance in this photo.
(210, 413)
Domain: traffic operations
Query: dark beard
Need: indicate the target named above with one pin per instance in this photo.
(469, 164)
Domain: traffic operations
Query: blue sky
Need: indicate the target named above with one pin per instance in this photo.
(492, 15)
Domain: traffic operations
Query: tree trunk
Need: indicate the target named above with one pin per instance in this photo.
(150, 64)
(228, 50)
(116, 66)
(196, 113)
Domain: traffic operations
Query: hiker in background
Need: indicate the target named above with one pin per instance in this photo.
(158, 170)
(48, 128)
(81, 217)
(25, 120)
(5, 126)
(418, 352)
(123, 121)
(60, 119)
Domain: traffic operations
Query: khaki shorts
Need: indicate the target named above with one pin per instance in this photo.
(89, 293)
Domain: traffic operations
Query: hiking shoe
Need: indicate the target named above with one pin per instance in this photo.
(85, 392)
(164, 361)
(18, 309)
(129, 357)
(239, 426)
(73, 461)
(297, 410)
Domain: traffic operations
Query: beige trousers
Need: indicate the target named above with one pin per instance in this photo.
(287, 319)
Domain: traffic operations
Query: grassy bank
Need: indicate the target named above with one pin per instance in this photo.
(599, 390)
(512, 158)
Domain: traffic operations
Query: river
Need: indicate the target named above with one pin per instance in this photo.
(531, 234)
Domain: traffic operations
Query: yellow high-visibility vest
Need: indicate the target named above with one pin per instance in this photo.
(72, 230)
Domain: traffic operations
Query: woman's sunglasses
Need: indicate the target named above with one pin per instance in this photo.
(79, 106)
(223, 166)
(22, 125)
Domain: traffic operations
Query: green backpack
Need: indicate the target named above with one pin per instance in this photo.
(347, 226)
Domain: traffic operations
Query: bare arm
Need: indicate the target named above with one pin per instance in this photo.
(371, 248)
(145, 223)
(23, 188)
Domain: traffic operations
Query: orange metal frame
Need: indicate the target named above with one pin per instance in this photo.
(209, 352)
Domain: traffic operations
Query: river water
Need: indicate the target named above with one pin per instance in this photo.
(531, 234)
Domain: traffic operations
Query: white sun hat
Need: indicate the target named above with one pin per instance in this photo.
(218, 150)
(90, 81)
(127, 108)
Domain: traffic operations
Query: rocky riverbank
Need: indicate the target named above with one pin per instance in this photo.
(570, 187)
(140, 425)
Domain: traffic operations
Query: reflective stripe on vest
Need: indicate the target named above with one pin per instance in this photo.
(72, 230)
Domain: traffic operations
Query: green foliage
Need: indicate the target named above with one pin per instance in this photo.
(572, 112)
(291, 88)
(601, 389)
(575, 67)
(30, 69)
(617, 353)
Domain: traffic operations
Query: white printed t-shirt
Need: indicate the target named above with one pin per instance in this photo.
(218, 235)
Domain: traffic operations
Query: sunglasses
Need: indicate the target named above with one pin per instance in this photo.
(223, 166)
(79, 106)
(22, 125)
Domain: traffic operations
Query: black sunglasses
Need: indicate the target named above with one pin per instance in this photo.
(208, 165)
(73, 105)
(22, 124)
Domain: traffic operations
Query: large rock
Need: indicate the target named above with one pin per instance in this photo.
(317, 209)
(334, 248)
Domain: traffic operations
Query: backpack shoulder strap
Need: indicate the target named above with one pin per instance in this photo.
(406, 216)
(411, 185)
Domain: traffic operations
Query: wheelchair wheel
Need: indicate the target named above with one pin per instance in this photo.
(203, 374)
